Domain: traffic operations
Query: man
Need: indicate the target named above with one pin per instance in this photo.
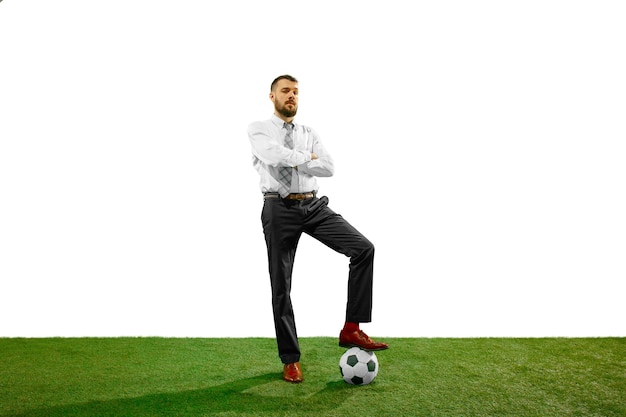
(288, 157)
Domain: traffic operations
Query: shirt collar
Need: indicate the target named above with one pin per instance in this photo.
(275, 119)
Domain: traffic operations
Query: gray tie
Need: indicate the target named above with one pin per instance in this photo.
(284, 173)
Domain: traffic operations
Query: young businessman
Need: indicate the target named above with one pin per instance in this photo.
(288, 158)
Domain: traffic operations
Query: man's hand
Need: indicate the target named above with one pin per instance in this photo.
(313, 156)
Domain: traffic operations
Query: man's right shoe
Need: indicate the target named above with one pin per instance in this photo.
(292, 372)
(358, 338)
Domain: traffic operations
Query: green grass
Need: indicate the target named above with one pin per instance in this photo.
(241, 377)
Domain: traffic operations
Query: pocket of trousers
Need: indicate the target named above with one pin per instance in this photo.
(322, 201)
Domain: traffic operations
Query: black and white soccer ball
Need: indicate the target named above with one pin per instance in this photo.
(358, 366)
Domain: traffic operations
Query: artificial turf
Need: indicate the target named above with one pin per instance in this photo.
(242, 377)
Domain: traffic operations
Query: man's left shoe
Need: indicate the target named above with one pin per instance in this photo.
(358, 338)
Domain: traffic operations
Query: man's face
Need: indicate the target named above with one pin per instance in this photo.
(285, 97)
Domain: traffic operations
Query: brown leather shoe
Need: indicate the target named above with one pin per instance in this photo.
(292, 372)
(359, 339)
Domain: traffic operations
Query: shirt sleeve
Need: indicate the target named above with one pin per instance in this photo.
(324, 166)
(267, 148)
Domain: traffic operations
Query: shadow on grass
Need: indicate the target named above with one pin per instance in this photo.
(230, 397)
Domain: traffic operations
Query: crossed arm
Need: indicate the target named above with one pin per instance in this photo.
(314, 160)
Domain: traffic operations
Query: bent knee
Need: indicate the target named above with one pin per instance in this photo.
(366, 249)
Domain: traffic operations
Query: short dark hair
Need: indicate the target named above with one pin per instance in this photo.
(282, 77)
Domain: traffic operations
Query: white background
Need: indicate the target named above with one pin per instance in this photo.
(479, 144)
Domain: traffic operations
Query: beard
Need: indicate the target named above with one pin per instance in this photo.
(287, 112)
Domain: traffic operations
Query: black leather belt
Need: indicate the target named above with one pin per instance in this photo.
(292, 196)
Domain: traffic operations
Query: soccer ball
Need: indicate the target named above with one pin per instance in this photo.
(358, 366)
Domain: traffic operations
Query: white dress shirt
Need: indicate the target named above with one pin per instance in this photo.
(269, 154)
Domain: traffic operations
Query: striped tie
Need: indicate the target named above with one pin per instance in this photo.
(284, 173)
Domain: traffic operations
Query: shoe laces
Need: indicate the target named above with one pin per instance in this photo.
(366, 337)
